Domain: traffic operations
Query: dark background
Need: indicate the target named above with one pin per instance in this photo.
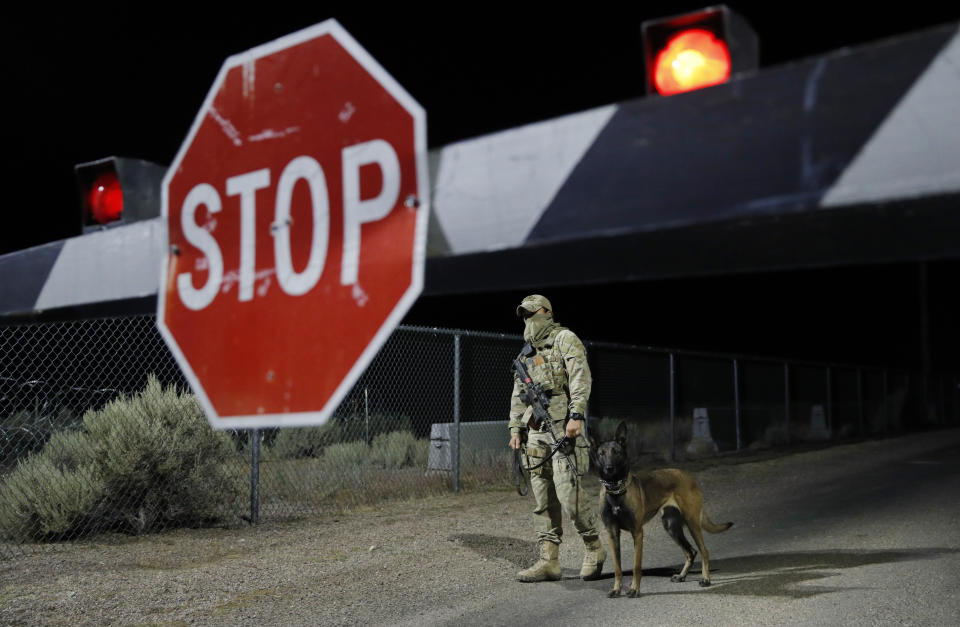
(101, 80)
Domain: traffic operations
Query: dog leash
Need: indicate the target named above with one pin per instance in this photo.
(564, 445)
(520, 479)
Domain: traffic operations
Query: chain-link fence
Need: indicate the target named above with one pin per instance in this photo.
(99, 432)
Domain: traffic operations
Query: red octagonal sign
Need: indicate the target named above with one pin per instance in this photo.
(296, 218)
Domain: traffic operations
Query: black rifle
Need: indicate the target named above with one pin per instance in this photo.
(534, 395)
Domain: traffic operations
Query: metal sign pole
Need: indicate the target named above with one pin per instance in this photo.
(255, 477)
(456, 413)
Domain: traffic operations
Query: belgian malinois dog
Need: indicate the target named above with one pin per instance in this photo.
(629, 500)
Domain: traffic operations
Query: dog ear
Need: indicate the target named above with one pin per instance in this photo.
(621, 434)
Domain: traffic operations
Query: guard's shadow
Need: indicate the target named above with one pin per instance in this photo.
(787, 574)
(763, 575)
(517, 552)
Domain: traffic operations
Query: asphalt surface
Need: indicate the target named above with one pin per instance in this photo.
(866, 535)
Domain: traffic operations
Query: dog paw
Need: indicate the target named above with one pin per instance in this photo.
(633, 594)
(678, 578)
(613, 593)
(704, 583)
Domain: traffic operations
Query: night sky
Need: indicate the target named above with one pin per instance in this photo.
(98, 81)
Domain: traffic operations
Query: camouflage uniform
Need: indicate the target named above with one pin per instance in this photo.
(560, 366)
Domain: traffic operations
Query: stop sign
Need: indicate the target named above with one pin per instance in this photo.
(296, 218)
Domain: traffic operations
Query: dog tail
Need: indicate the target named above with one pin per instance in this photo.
(711, 526)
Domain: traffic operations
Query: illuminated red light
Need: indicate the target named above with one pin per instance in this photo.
(105, 198)
(691, 59)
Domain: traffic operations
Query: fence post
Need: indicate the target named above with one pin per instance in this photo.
(255, 477)
(673, 407)
(456, 412)
(736, 399)
(786, 401)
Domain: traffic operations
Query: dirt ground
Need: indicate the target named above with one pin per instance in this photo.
(415, 562)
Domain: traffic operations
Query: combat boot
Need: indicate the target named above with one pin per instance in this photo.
(593, 556)
(547, 567)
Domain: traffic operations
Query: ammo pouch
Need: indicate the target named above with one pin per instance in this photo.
(535, 455)
(546, 366)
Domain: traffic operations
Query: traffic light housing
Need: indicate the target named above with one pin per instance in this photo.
(118, 190)
(696, 50)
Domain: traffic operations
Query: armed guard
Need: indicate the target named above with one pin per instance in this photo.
(554, 371)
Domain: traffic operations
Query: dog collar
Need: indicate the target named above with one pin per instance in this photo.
(615, 488)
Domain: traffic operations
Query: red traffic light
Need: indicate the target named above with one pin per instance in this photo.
(118, 190)
(691, 59)
(698, 49)
(105, 198)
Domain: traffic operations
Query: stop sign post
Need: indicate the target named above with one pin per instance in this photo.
(296, 215)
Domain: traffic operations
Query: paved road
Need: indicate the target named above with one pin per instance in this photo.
(867, 538)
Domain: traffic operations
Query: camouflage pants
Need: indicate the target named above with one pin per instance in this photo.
(556, 488)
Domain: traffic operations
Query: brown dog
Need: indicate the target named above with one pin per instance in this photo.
(629, 500)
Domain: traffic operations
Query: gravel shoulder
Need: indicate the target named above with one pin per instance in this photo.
(422, 561)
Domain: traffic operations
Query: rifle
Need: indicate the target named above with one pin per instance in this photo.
(534, 395)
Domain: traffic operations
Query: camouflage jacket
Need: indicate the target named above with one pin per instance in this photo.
(560, 366)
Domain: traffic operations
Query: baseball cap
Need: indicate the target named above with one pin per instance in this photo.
(533, 303)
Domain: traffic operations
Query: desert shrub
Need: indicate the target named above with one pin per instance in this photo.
(346, 454)
(398, 449)
(141, 463)
(41, 501)
(161, 460)
(298, 442)
(69, 449)
(360, 427)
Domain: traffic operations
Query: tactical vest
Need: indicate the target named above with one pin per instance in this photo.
(546, 366)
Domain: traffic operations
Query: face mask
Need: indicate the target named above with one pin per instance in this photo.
(536, 327)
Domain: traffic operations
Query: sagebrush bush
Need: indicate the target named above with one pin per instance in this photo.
(297, 442)
(398, 449)
(360, 427)
(140, 463)
(346, 454)
(42, 501)
(69, 450)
